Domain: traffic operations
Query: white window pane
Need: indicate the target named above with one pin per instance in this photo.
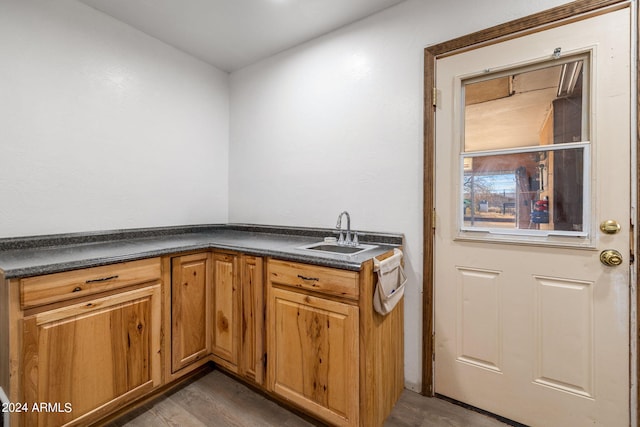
(534, 107)
(528, 190)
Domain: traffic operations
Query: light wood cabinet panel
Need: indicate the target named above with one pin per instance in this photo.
(332, 356)
(50, 288)
(341, 283)
(94, 356)
(381, 353)
(313, 350)
(252, 330)
(226, 309)
(190, 309)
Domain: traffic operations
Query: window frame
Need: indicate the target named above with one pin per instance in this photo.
(556, 238)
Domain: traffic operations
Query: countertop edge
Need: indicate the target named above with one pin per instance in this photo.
(287, 255)
(76, 238)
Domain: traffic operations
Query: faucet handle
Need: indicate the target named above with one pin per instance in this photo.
(341, 238)
(355, 242)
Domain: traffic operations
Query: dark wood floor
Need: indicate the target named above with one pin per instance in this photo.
(215, 399)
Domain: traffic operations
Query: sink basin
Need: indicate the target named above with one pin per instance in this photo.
(337, 249)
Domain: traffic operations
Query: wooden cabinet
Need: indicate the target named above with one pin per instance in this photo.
(313, 351)
(329, 281)
(40, 290)
(226, 310)
(251, 364)
(217, 313)
(93, 341)
(328, 351)
(191, 309)
(89, 356)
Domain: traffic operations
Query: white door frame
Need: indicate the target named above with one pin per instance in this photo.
(577, 10)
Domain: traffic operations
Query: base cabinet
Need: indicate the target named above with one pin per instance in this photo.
(217, 313)
(190, 309)
(329, 352)
(91, 342)
(86, 359)
(252, 354)
(226, 310)
(314, 354)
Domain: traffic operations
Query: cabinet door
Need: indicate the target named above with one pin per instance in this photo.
(313, 354)
(226, 309)
(86, 359)
(190, 309)
(252, 330)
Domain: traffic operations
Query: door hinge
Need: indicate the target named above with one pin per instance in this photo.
(264, 360)
(632, 241)
(434, 96)
(433, 346)
(433, 220)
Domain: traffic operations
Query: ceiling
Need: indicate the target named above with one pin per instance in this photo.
(231, 34)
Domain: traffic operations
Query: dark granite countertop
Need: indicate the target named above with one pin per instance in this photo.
(36, 255)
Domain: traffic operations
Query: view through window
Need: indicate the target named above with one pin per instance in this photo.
(525, 151)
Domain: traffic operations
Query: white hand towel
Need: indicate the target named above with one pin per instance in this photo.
(391, 280)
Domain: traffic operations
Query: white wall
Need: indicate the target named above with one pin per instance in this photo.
(103, 127)
(336, 124)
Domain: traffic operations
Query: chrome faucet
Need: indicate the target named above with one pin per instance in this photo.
(342, 240)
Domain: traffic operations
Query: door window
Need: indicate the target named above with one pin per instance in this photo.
(525, 158)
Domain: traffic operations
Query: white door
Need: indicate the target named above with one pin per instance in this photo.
(532, 155)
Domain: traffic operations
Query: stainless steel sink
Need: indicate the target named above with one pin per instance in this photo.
(338, 249)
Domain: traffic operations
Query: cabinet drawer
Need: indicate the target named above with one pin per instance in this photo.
(40, 290)
(311, 277)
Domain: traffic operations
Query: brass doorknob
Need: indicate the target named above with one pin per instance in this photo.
(610, 226)
(611, 257)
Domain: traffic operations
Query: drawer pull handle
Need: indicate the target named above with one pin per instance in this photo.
(77, 289)
(313, 279)
(103, 279)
